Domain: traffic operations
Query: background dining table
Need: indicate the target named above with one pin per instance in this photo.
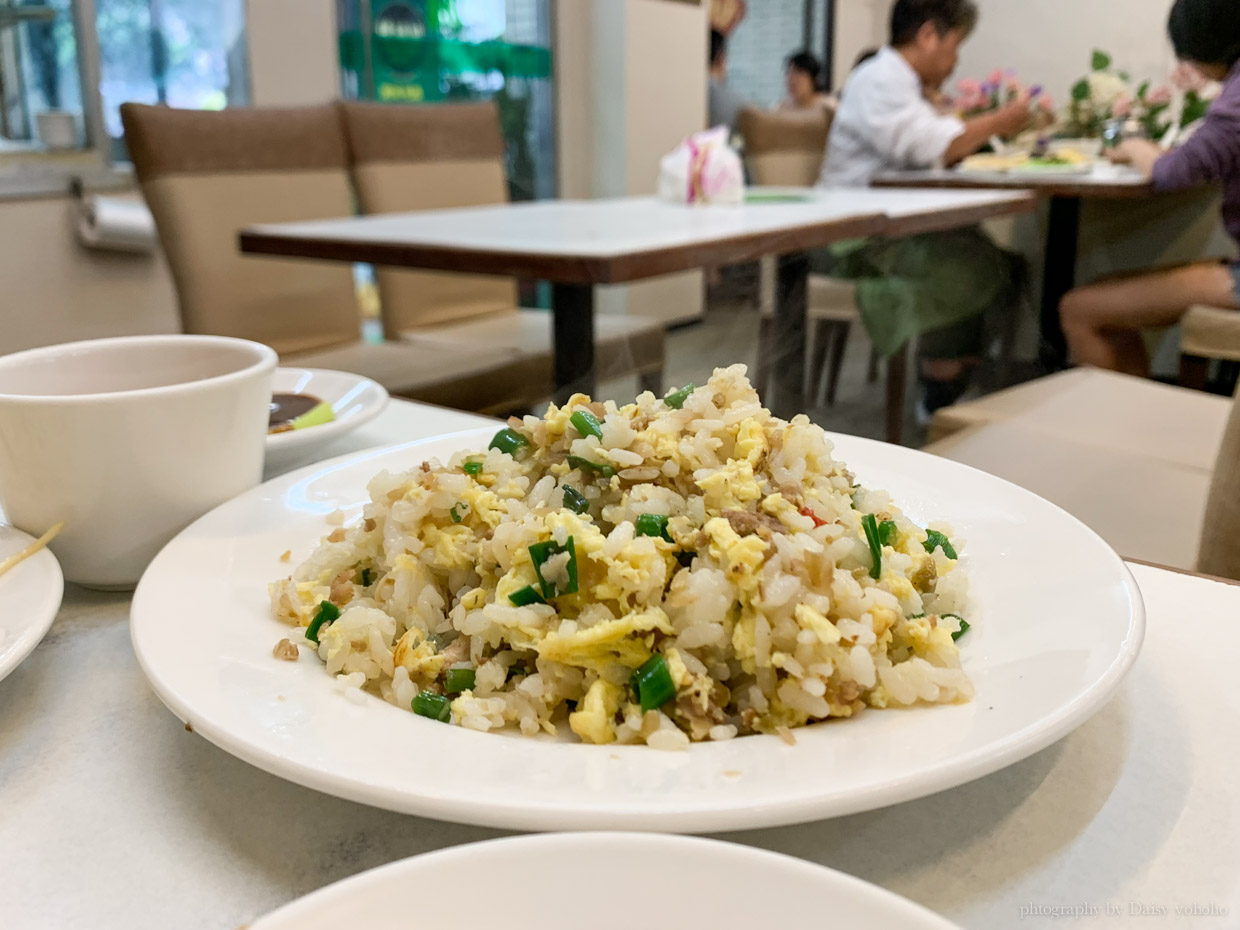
(578, 244)
(112, 815)
(1064, 194)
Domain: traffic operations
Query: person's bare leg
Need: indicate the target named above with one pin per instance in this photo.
(1103, 322)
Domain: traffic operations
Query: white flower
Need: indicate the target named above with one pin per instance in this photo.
(1106, 87)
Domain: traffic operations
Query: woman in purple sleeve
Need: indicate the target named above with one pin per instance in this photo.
(1103, 322)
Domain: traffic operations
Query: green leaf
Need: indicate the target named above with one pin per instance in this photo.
(1143, 90)
(869, 523)
(1100, 61)
(1080, 90)
(936, 540)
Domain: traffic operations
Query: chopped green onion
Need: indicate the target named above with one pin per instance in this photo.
(653, 524)
(458, 512)
(540, 552)
(586, 423)
(509, 441)
(367, 577)
(676, 399)
(870, 525)
(525, 597)
(516, 671)
(936, 540)
(575, 501)
(888, 532)
(576, 461)
(652, 683)
(964, 626)
(434, 706)
(458, 679)
(472, 468)
(920, 616)
(328, 612)
(686, 557)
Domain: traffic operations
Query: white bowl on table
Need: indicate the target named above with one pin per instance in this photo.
(355, 401)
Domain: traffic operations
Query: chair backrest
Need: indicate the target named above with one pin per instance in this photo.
(784, 149)
(1219, 553)
(205, 176)
(429, 157)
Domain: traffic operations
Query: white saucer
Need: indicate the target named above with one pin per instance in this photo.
(355, 400)
(30, 594)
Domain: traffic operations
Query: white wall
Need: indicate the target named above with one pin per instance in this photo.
(1050, 42)
(631, 81)
(859, 24)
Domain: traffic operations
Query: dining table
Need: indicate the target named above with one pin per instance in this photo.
(579, 244)
(113, 814)
(1064, 193)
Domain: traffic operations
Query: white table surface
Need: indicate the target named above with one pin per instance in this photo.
(619, 227)
(113, 816)
(1102, 176)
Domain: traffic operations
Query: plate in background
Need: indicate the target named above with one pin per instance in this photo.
(603, 881)
(355, 400)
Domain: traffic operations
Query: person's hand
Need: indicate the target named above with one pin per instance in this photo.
(1140, 153)
(1012, 120)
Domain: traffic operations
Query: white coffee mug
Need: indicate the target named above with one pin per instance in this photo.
(128, 441)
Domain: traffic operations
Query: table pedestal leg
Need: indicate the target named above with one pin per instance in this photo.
(1058, 277)
(787, 343)
(572, 308)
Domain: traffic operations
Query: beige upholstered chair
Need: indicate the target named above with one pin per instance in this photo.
(786, 150)
(407, 158)
(1207, 334)
(1219, 552)
(205, 175)
(1154, 469)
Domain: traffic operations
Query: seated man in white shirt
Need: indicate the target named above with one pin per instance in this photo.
(937, 286)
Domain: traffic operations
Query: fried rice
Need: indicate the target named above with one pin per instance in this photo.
(675, 570)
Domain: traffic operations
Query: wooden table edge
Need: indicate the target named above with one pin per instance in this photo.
(566, 269)
(957, 217)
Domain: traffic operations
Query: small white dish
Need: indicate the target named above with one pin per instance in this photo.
(608, 881)
(354, 399)
(1057, 622)
(30, 594)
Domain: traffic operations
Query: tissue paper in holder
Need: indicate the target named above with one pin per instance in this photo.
(703, 169)
(115, 224)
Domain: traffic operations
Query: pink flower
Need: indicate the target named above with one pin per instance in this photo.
(969, 87)
(1122, 108)
(996, 77)
(1158, 97)
(1046, 103)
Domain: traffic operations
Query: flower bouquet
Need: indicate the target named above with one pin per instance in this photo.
(976, 98)
(1095, 97)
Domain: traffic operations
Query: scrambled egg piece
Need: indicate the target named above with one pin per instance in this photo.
(417, 654)
(625, 641)
(751, 442)
(594, 719)
(731, 487)
(817, 624)
(743, 555)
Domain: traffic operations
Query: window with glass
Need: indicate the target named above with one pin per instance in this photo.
(423, 51)
(66, 66)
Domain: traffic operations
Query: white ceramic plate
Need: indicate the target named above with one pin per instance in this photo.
(1057, 621)
(30, 596)
(355, 400)
(606, 881)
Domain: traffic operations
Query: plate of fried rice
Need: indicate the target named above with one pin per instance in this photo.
(680, 613)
